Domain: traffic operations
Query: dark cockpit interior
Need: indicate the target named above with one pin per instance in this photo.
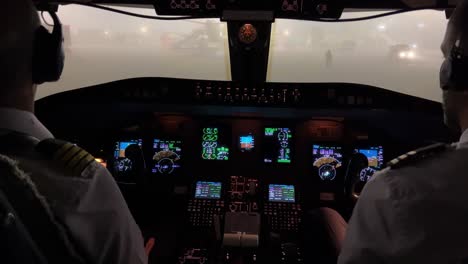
(237, 171)
(196, 159)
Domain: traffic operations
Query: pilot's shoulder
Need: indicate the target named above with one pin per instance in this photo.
(73, 159)
(420, 155)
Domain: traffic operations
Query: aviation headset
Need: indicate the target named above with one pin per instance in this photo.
(48, 55)
(454, 70)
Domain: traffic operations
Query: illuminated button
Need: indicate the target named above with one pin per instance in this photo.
(208, 95)
(228, 98)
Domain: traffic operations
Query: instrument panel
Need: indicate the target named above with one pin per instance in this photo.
(191, 164)
(233, 183)
(188, 150)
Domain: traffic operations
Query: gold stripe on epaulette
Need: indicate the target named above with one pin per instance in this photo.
(83, 164)
(62, 150)
(74, 161)
(72, 152)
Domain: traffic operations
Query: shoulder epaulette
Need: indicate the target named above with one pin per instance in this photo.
(70, 156)
(418, 155)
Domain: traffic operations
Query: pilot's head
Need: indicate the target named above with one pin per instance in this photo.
(19, 22)
(455, 94)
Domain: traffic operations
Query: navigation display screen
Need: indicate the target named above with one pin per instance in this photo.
(281, 193)
(375, 159)
(215, 142)
(208, 190)
(127, 157)
(166, 157)
(327, 159)
(277, 145)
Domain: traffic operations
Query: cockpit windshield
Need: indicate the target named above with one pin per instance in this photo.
(399, 53)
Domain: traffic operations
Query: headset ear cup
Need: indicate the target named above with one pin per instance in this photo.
(48, 57)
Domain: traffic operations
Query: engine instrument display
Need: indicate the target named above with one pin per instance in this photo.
(277, 145)
(167, 155)
(208, 190)
(327, 159)
(375, 159)
(246, 143)
(281, 193)
(213, 145)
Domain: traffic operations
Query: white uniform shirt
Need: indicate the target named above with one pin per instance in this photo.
(414, 214)
(463, 143)
(91, 207)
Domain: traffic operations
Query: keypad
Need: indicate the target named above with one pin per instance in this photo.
(201, 212)
(284, 216)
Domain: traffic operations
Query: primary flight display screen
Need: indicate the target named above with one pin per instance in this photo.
(375, 159)
(327, 159)
(166, 157)
(127, 156)
(208, 190)
(215, 144)
(281, 193)
(277, 145)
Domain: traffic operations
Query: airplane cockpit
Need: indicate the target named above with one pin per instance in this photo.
(233, 127)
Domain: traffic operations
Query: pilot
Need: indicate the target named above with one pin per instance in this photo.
(82, 194)
(416, 210)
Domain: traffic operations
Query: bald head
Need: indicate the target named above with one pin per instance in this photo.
(19, 22)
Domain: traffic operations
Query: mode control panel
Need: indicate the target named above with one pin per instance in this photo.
(233, 94)
(284, 216)
(202, 212)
